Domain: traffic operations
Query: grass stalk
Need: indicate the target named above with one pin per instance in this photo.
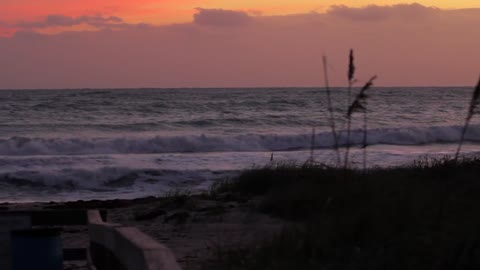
(360, 104)
(330, 110)
(471, 111)
(312, 146)
(351, 75)
(365, 138)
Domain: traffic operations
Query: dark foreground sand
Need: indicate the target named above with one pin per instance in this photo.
(194, 227)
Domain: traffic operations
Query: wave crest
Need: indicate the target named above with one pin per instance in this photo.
(23, 146)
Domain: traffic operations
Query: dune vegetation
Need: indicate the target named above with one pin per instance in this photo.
(423, 216)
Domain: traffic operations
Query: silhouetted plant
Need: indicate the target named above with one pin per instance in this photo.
(330, 110)
(360, 105)
(471, 111)
(351, 80)
(312, 146)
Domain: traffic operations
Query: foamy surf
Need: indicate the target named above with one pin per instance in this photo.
(66, 178)
(23, 146)
(105, 144)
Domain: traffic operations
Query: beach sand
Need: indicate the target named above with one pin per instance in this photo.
(194, 227)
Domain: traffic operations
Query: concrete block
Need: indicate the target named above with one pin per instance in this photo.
(127, 246)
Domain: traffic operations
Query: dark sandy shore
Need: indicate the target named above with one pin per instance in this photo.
(195, 227)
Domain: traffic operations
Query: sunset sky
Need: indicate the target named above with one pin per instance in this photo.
(235, 43)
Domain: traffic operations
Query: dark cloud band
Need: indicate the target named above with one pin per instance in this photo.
(221, 17)
(65, 21)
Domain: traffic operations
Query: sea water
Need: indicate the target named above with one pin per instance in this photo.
(126, 143)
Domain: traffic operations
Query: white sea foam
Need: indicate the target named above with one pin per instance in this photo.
(23, 146)
(40, 178)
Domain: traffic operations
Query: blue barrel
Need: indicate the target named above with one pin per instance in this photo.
(37, 249)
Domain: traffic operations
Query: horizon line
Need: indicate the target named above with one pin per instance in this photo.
(220, 87)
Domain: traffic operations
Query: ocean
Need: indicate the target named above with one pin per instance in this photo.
(61, 145)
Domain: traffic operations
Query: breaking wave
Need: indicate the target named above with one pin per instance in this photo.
(23, 146)
(104, 183)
